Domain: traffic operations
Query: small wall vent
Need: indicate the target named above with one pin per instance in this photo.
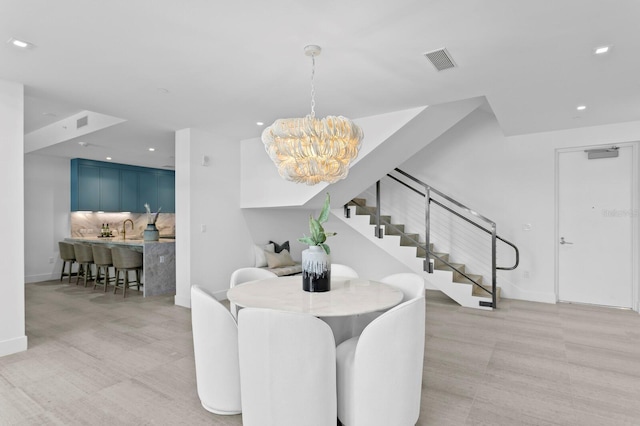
(83, 121)
(440, 59)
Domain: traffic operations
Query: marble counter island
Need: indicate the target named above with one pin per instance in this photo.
(159, 261)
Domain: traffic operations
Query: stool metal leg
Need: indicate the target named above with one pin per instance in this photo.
(115, 284)
(70, 269)
(64, 263)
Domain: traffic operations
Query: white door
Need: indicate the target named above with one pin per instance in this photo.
(595, 228)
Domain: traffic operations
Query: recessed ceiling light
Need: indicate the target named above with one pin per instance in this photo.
(260, 123)
(108, 158)
(601, 50)
(83, 144)
(20, 43)
(581, 107)
(152, 149)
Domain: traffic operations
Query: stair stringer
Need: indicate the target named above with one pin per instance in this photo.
(440, 280)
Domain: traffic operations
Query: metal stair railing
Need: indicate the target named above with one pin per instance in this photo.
(462, 210)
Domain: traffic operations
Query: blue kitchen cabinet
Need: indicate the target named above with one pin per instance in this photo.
(129, 191)
(87, 188)
(148, 190)
(109, 190)
(167, 192)
(112, 187)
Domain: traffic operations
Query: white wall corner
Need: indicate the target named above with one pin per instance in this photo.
(183, 217)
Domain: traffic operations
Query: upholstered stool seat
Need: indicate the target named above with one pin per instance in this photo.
(103, 261)
(68, 255)
(126, 260)
(84, 257)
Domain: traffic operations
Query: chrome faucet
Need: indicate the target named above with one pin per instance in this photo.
(124, 228)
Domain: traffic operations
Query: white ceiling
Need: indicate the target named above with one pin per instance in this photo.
(229, 64)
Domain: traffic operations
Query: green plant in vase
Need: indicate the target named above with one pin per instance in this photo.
(151, 233)
(318, 234)
(151, 219)
(316, 260)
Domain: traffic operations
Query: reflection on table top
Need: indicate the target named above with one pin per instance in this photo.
(348, 296)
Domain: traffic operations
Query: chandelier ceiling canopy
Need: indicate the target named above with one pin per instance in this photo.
(309, 149)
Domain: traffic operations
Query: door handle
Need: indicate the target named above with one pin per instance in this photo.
(562, 241)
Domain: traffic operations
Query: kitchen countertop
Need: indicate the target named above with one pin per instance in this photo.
(120, 241)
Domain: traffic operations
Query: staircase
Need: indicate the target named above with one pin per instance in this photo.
(450, 278)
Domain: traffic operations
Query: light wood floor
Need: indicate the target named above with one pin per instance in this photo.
(97, 359)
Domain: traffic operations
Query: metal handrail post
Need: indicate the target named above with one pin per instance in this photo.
(378, 229)
(494, 292)
(428, 266)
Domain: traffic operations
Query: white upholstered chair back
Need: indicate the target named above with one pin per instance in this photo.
(244, 275)
(287, 369)
(215, 344)
(380, 372)
(339, 270)
(411, 285)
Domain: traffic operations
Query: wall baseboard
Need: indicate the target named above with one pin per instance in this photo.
(185, 302)
(39, 278)
(12, 346)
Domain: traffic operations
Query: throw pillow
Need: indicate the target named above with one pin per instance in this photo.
(259, 251)
(280, 247)
(277, 260)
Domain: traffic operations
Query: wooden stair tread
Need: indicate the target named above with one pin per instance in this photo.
(479, 293)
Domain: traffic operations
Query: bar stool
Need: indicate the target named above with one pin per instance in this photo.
(126, 260)
(103, 261)
(84, 257)
(67, 254)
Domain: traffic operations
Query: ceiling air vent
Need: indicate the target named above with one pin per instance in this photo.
(81, 122)
(440, 59)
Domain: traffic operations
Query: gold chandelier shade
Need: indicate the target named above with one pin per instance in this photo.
(312, 150)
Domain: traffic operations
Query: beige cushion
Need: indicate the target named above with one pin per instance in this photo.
(259, 251)
(277, 260)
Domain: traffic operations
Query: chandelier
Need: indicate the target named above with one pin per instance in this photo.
(309, 149)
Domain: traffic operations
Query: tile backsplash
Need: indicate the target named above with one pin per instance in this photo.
(89, 224)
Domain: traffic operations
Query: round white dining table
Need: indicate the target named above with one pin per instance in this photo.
(348, 296)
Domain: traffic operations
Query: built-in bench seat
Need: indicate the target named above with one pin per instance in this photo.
(286, 270)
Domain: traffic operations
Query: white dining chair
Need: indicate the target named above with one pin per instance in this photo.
(339, 270)
(215, 345)
(244, 275)
(341, 326)
(411, 285)
(380, 371)
(287, 369)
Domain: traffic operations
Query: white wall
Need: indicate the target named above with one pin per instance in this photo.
(512, 181)
(47, 204)
(12, 323)
(208, 196)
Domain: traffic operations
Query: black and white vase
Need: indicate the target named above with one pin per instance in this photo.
(151, 233)
(316, 269)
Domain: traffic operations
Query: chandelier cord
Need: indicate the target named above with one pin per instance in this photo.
(313, 89)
